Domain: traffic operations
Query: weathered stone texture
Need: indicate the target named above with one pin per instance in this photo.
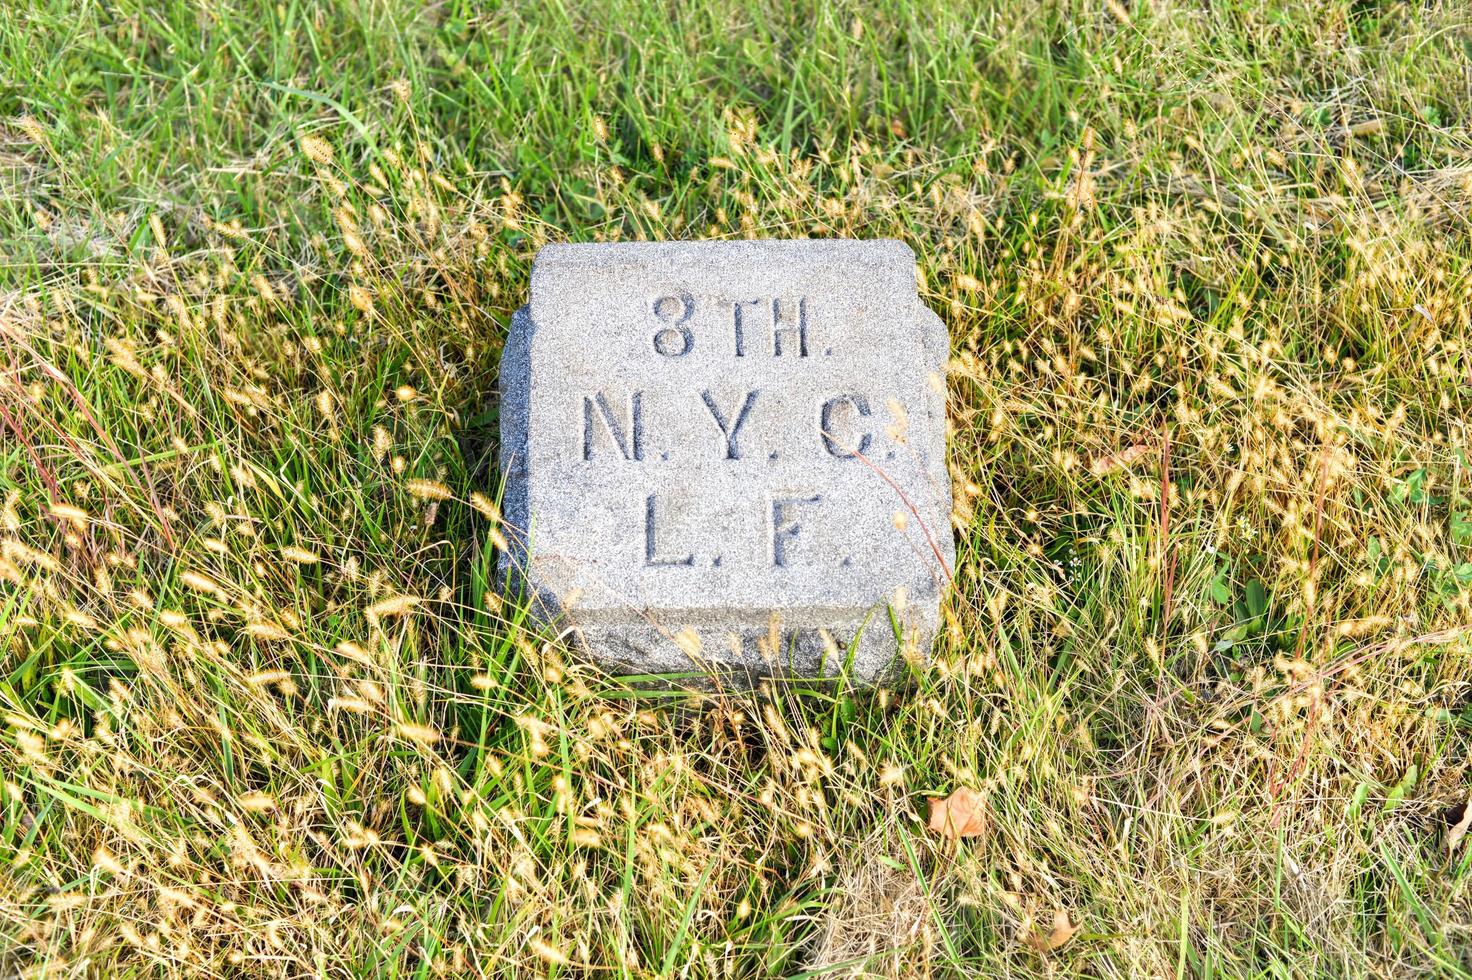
(710, 446)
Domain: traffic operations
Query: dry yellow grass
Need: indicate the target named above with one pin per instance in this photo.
(1207, 662)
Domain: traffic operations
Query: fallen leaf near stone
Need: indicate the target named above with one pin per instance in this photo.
(962, 814)
(1120, 460)
(1064, 929)
(1459, 821)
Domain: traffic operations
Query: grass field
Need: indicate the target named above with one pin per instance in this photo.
(1208, 659)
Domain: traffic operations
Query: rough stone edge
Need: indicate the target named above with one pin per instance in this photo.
(513, 566)
(803, 655)
(878, 255)
(936, 344)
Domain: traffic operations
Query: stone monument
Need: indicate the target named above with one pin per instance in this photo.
(729, 457)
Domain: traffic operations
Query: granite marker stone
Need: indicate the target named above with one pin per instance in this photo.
(729, 456)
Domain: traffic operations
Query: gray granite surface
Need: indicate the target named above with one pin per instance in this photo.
(729, 457)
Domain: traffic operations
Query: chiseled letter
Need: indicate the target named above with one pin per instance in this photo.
(831, 414)
(630, 444)
(651, 554)
(796, 322)
(738, 314)
(785, 525)
(731, 430)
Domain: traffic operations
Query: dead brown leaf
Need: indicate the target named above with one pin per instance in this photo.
(1064, 929)
(962, 814)
(1458, 830)
(1119, 460)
